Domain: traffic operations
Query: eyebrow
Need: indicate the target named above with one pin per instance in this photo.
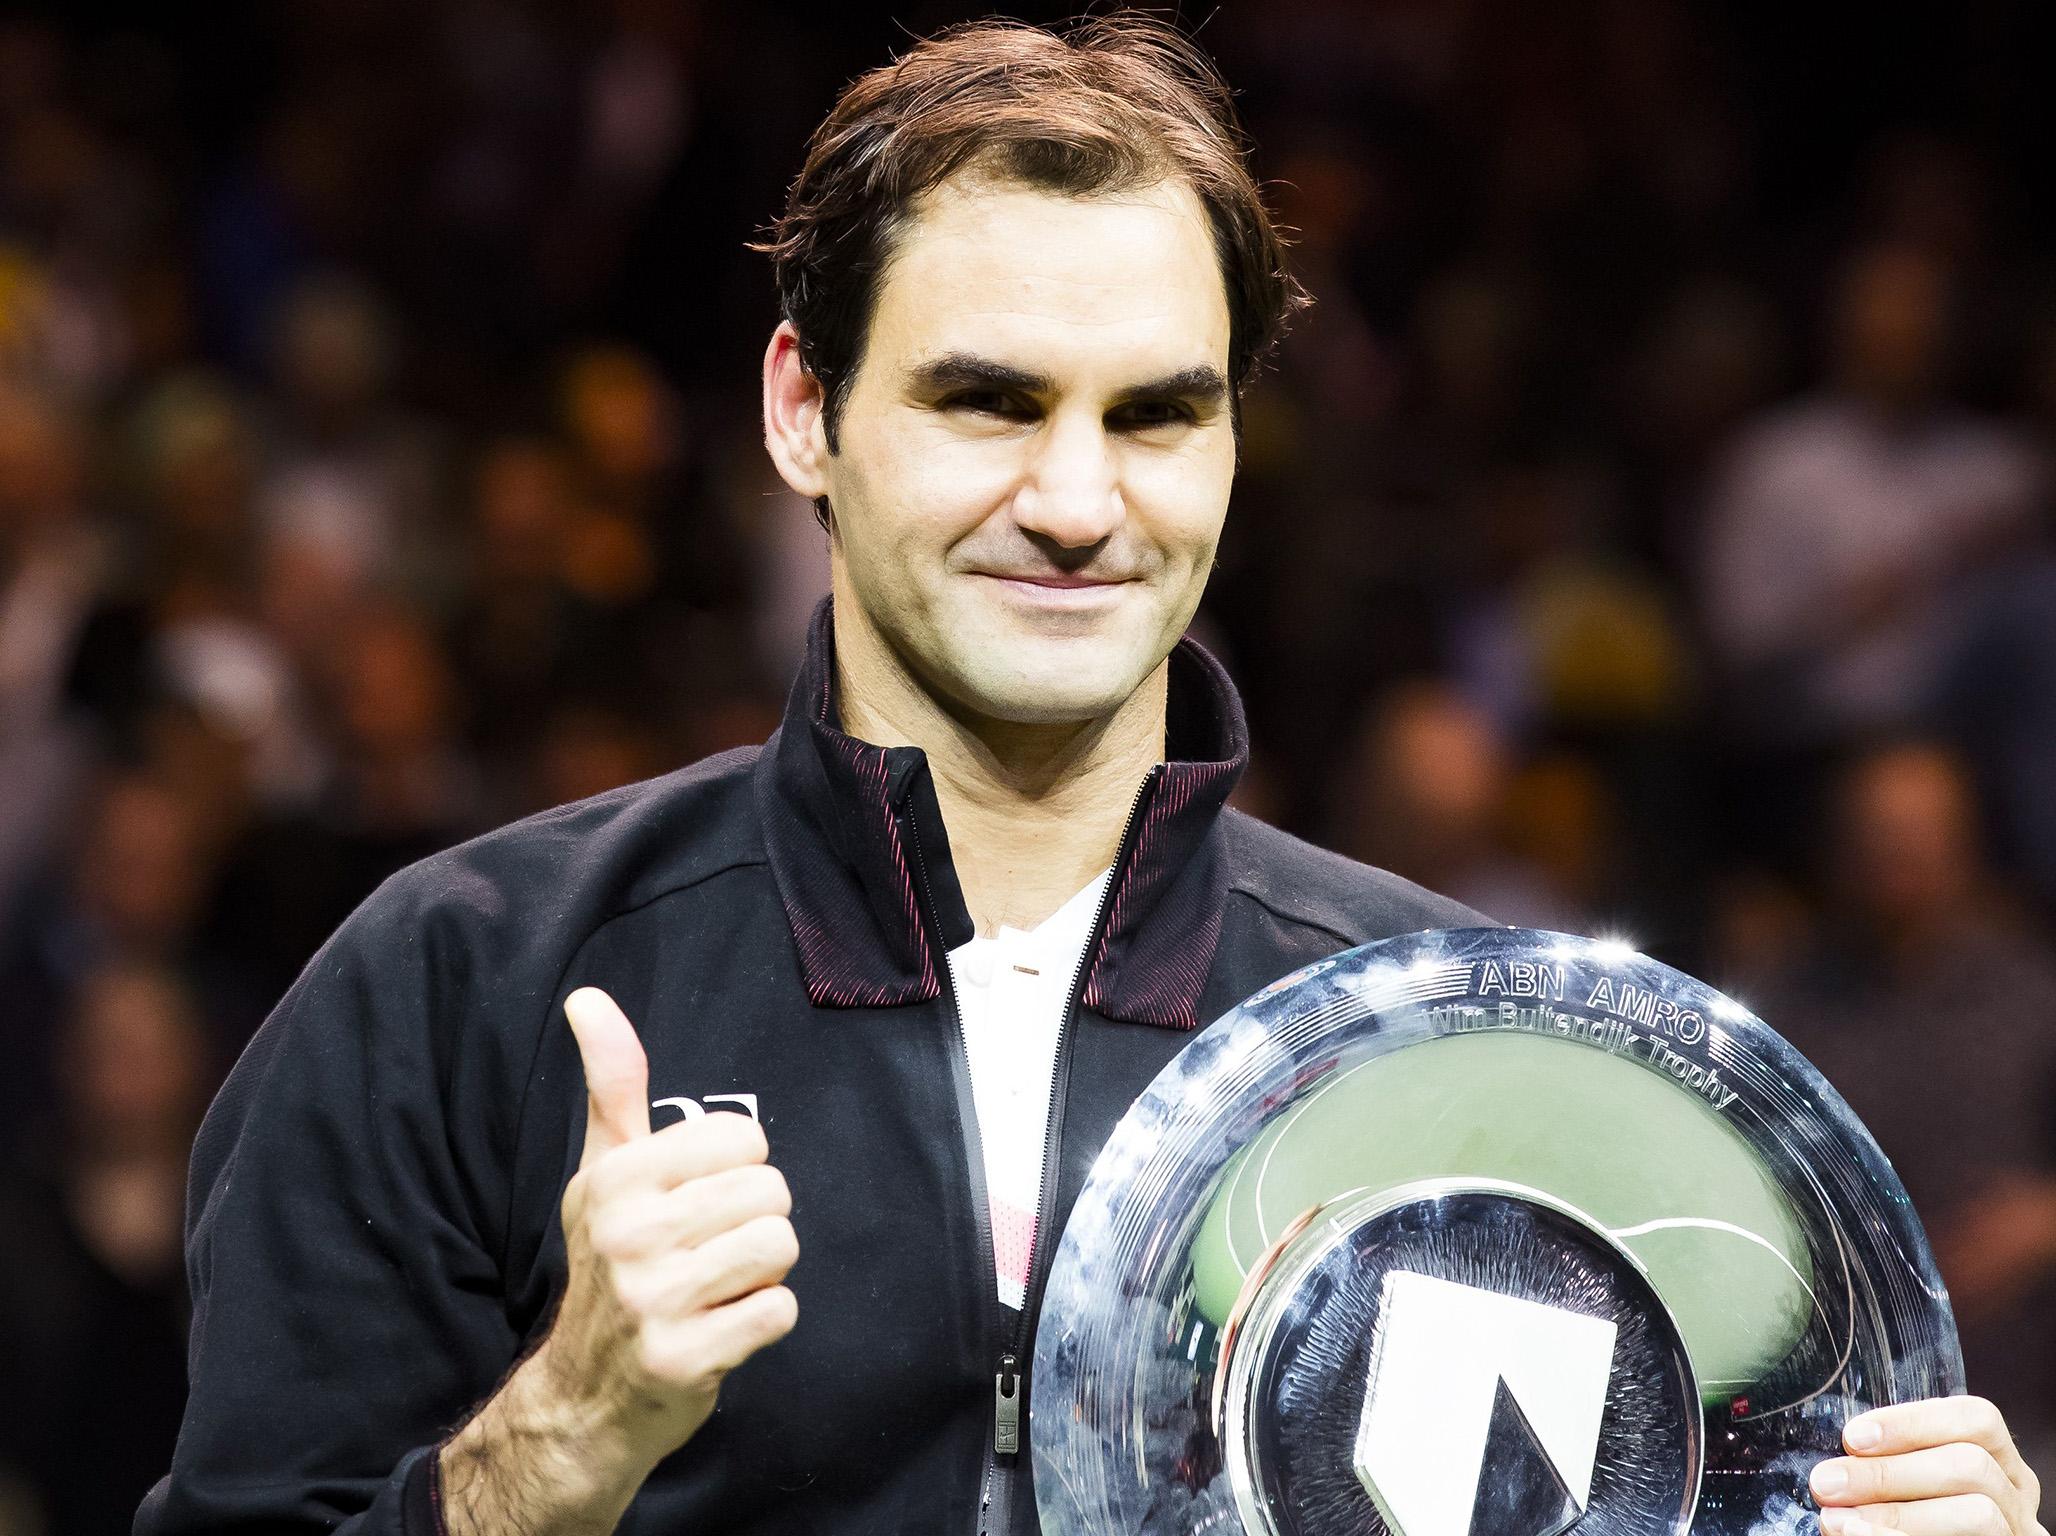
(1201, 384)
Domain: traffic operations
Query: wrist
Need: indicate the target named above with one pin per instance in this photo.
(563, 1460)
(619, 1435)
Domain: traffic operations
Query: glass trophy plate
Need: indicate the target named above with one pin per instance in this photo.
(1488, 1232)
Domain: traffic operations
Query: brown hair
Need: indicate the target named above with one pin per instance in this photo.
(1100, 104)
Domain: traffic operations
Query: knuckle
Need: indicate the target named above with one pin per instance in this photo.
(685, 1358)
(782, 1311)
(1987, 1517)
(628, 1293)
(666, 1357)
(610, 1234)
(761, 1319)
(776, 1193)
(716, 1142)
(695, 1130)
(1985, 1422)
(640, 1291)
(778, 1244)
(742, 1134)
(1976, 1468)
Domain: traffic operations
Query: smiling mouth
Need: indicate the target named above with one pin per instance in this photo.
(1059, 579)
(1056, 591)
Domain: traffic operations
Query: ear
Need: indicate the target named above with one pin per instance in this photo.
(795, 434)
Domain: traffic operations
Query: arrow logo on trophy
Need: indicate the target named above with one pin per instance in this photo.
(1482, 1412)
(1520, 1492)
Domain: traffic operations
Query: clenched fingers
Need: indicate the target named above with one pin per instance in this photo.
(707, 1345)
(747, 1258)
(1938, 1421)
(654, 1221)
(687, 1150)
(1934, 1472)
(1961, 1514)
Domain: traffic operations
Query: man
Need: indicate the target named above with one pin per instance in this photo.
(1024, 279)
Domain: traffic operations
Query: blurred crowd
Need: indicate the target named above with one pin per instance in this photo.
(1649, 531)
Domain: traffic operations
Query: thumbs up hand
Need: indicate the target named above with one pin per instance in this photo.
(676, 1242)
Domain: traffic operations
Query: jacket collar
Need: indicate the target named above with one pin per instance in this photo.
(855, 835)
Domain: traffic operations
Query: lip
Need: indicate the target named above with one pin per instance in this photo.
(1056, 591)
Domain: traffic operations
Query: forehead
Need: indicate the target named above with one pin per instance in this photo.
(1071, 286)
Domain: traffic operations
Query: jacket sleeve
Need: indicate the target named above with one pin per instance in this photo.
(347, 1303)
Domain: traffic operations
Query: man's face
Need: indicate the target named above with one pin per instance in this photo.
(1036, 451)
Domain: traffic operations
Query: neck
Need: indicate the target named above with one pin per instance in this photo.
(1034, 811)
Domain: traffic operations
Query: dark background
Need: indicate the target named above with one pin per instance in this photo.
(1648, 532)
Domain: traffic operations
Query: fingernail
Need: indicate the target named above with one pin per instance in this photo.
(1862, 1434)
(1830, 1480)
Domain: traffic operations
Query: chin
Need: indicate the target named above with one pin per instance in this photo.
(1062, 694)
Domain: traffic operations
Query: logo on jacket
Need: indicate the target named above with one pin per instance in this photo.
(694, 1109)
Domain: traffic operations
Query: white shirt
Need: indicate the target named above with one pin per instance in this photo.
(1011, 992)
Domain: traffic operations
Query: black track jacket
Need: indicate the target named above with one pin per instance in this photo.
(373, 1233)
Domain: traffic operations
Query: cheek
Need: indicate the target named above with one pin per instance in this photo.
(924, 492)
(1182, 502)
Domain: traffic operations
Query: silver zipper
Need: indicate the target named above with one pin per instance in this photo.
(1008, 1384)
(1008, 1380)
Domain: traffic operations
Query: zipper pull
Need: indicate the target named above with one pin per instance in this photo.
(1006, 1408)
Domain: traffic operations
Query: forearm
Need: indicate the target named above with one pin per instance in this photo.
(533, 1461)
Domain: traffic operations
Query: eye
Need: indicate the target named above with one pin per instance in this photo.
(1153, 413)
(988, 402)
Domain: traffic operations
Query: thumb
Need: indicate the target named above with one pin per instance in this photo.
(617, 1074)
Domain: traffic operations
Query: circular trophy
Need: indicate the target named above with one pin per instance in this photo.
(1489, 1232)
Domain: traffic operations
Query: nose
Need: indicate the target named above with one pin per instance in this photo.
(1071, 495)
